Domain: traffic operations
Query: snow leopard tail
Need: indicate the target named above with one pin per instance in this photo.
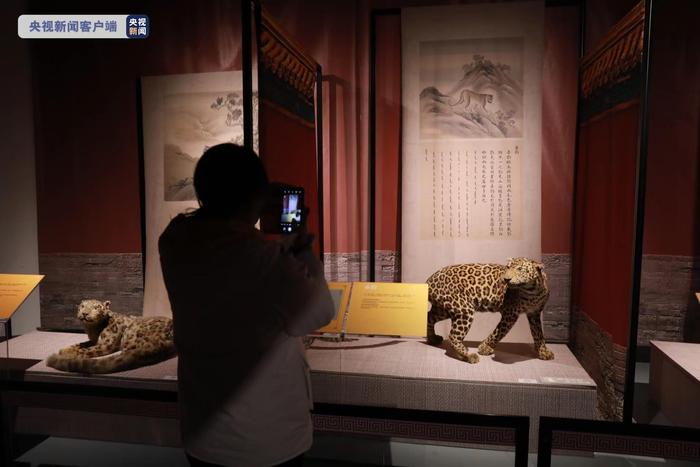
(110, 364)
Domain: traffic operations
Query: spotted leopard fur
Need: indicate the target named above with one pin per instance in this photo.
(457, 292)
(124, 342)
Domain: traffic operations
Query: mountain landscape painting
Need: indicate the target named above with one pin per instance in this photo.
(471, 88)
(193, 123)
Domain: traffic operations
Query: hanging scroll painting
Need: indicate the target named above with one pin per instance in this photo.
(471, 135)
(183, 115)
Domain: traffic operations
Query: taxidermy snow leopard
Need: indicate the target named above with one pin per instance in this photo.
(124, 342)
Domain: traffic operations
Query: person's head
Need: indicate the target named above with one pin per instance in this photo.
(230, 181)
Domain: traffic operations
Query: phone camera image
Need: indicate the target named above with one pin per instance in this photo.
(292, 208)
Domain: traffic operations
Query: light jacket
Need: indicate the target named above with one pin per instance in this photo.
(240, 304)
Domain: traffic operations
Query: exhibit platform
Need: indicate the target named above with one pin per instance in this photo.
(382, 371)
(674, 381)
(408, 373)
(135, 406)
(39, 345)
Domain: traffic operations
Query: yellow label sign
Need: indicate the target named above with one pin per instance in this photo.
(386, 308)
(340, 291)
(14, 290)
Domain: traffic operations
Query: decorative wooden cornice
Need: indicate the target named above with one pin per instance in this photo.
(284, 58)
(616, 54)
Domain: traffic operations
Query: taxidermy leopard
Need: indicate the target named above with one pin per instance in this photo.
(457, 292)
(142, 341)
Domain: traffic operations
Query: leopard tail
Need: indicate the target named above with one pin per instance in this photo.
(110, 364)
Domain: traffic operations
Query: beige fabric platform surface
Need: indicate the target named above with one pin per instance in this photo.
(674, 381)
(513, 363)
(39, 345)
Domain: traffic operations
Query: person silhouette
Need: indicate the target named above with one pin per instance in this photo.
(240, 304)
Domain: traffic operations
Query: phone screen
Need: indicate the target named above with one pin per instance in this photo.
(292, 204)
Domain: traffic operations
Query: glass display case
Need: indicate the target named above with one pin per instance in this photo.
(606, 192)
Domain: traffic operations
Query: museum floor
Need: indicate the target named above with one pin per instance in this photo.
(331, 451)
(61, 452)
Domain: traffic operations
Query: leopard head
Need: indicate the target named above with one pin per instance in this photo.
(93, 311)
(523, 271)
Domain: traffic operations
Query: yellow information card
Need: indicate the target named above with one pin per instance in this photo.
(14, 290)
(340, 292)
(387, 308)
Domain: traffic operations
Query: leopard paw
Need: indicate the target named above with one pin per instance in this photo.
(469, 358)
(472, 358)
(435, 340)
(485, 349)
(545, 354)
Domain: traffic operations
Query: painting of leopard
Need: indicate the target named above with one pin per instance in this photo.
(123, 342)
(457, 292)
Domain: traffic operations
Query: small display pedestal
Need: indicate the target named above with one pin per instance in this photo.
(674, 381)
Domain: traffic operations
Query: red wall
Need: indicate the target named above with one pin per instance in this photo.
(336, 35)
(559, 101)
(672, 223)
(85, 98)
(288, 151)
(388, 133)
(606, 169)
(606, 177)
(87, 128)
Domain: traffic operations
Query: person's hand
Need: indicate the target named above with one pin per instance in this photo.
(302, 241)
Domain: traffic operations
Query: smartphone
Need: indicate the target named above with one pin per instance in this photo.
(284, 209)
(291, 218)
